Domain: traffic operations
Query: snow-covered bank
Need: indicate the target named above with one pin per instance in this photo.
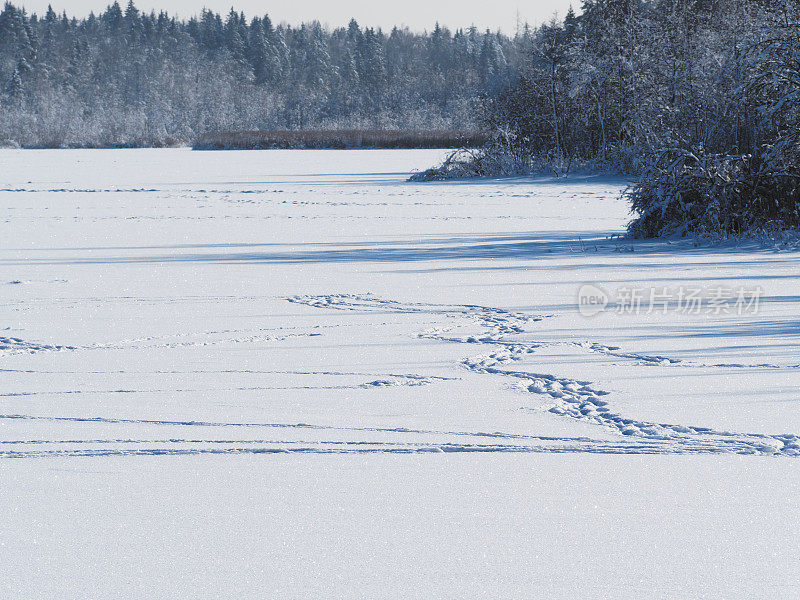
(181, 321)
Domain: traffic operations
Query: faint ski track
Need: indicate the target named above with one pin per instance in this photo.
(663, 361)
(13, 345)
(385, 381)
(534, 444)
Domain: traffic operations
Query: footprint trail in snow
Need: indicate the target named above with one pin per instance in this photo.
(572, 398)
(494, 332)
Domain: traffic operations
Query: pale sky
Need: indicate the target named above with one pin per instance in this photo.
(417, 14)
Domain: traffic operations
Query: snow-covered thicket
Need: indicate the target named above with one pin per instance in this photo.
(752, 184)
(624, 77)
(125, 78)
(700, 97)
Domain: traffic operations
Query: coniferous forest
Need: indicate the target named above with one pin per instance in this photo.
(699, 96)
(128, 78)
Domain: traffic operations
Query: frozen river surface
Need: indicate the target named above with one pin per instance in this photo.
(292, 374)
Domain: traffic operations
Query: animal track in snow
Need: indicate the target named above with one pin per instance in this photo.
(573, 398)
(469, 324)
(13, 345)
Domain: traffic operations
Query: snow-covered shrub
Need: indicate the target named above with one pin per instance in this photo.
(460, 164)
(757, 190)
(500, 156)
(717, 195)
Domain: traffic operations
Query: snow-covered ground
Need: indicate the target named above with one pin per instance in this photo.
(291, 374)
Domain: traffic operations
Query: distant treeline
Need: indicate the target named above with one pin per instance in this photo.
(339, 138)
(127, 78)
